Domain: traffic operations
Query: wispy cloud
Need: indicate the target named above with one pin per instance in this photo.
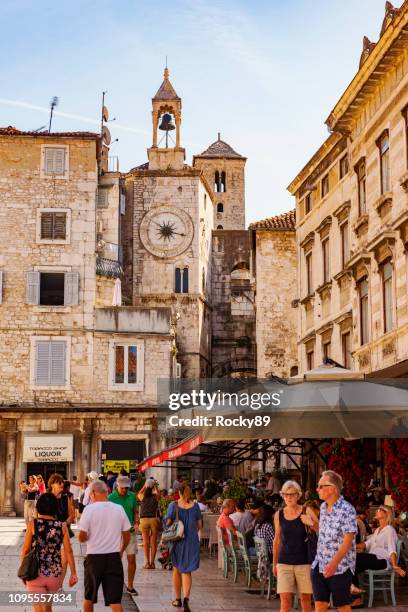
(44, 109)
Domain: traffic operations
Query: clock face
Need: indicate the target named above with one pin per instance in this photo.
(166, 231)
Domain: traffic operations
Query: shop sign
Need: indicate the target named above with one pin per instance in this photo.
(115, 465)
(47, 449)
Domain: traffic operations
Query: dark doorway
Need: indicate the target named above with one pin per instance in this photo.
(47, 469)
(133, 450)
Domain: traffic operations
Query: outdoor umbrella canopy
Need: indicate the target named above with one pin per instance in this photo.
(323, 405)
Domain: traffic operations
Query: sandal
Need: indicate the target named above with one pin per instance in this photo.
(146, 566)
(152, 566)
(177, 603)
(186, 605)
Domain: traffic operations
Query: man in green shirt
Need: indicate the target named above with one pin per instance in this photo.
(125, 498)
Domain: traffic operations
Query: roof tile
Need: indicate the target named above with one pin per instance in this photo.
(12, 131)
(286, 220)
(219, 148)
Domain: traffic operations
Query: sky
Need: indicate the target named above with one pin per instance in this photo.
(264, 73)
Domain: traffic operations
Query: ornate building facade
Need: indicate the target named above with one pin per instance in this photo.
(352, 220)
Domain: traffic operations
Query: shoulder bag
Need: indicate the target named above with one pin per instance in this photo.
(30, 566)
(175, 531)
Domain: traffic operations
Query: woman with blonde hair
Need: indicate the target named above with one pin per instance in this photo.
(185, 554)
(290, 554)
(149, 520)
(379, 551)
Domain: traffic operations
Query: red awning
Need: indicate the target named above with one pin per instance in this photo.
(179, 449)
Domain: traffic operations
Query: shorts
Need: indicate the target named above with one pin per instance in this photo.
(338, 586)
(131, 548)
(108, 571)
(45, 584)
(148, 524)
(292, 578)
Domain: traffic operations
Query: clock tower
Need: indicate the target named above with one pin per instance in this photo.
(167, 231)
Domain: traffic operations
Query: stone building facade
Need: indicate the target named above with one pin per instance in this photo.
(76, 374)
(273, 264)
(352, 223)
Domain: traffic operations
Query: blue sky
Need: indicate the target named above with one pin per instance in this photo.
(264, 73)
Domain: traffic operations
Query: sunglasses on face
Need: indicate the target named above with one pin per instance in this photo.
(323, 486)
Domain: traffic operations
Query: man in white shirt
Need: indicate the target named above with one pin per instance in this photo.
(105, 527)
(92, 476)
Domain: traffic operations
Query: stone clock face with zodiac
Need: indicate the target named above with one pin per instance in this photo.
(166, 231)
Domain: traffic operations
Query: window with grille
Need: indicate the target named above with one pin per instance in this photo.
(50, 365)
(386, 273)
(54, 160)
(384, 149)
(345, 243)
(308, 203)
(53, 226)
(344, 166)
(309, 275)
(361, 183)
(325, 185)
(326, 260)
(363, 303)
(346, 349)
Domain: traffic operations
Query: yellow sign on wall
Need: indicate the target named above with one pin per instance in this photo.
(115, 465)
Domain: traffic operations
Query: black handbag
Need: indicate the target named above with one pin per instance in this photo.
(30, 566)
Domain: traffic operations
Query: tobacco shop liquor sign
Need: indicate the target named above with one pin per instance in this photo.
(48, 449)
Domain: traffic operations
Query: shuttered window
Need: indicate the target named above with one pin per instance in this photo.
(50, 362)
(53, 225)
(102, 199)
(54, 160)
(52, 288)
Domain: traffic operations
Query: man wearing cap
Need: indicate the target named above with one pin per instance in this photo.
(125, 498)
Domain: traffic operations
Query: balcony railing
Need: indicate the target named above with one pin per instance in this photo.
(113, 163)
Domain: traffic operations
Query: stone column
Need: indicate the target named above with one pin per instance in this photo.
(86, 454)
(178, 122)
(155, 116)
(9, 508)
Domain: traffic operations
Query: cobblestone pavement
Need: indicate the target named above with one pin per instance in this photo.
(211, 592)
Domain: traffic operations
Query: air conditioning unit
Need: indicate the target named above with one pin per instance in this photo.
(178, 370)
(122, 203)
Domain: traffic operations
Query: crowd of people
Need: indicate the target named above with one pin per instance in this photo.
(317, 547)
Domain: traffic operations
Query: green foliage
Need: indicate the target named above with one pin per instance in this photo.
(212, 489)
(164, 503)
(139, 482)
(235, 490)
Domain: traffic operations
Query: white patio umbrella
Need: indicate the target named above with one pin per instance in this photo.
(117, 293)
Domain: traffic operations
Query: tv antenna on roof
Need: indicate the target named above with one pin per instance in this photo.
(53, 104)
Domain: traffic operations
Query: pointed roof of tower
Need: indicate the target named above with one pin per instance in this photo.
(220, 148)
(166, 90)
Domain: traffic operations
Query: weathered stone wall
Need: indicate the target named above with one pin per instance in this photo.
(276, 324)
(233, 199)
(233, 308)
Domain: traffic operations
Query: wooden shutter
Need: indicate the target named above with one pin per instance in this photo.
(178, 280)
(49, 161)
(185, 280)
(46, 226)
(60, 226)
(33, 288)
(58, 366)
(122, 204)
(1, 286)
(71, 288)
(42, 363)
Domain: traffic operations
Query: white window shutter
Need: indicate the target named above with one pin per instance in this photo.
(42, 363)
(33, 288)
(58, 366)
(49, 160)
(1, 286)
(102, 200)
(59, 161)
(71, 288)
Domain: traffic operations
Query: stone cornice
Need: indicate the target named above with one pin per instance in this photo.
(324, 225)
(307, 240)
(342, 211)
(370, 72)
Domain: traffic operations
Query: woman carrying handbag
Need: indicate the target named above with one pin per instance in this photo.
(185, 554)
(49, 536)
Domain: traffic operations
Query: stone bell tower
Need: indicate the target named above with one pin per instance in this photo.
(166, 153)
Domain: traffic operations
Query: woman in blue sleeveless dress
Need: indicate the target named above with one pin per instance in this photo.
(185, 554)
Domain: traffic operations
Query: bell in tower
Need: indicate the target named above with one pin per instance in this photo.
(165, 152)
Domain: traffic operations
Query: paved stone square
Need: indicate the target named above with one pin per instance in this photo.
(211, 591)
